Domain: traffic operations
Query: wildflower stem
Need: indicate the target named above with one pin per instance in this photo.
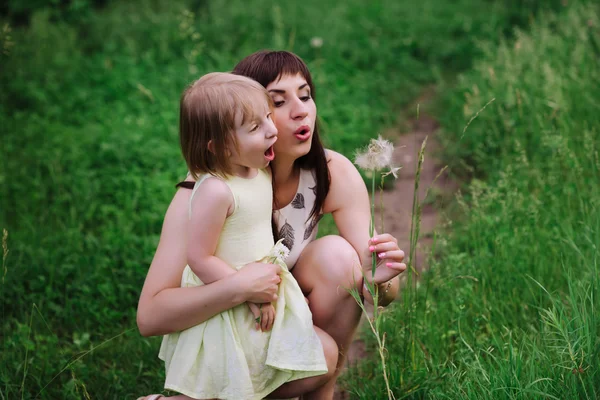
(381, 227)
(381, 350)
(373, 255)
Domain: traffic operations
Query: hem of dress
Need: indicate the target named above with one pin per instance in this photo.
(220, 396)
(226, 396)
(296, 375)
(295, 368)
(304, 376)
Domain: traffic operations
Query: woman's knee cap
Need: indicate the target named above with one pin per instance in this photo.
(340, 259)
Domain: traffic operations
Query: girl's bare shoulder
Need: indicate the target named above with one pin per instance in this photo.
(212, 186)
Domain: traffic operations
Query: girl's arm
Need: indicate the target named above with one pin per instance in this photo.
(348, 201)
(164, 307)
(211, 205)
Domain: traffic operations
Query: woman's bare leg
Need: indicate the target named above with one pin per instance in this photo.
(301, 386)
(325, 270)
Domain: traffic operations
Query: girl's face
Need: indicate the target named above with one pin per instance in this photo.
(295, 115)
(255, 140)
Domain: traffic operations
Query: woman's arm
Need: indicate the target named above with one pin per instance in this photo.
(348, 201)
(164, 307)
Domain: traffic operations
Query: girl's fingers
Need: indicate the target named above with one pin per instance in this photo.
(254, 309)
(264, 318)
(271, 321)
(268, 317)
(265, 321)
(256, 314)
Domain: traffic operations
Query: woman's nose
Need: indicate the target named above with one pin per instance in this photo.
(299, 110)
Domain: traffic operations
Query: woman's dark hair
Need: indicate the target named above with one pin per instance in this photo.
(266, 66)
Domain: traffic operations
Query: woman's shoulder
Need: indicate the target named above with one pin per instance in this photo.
(346, 182)
(339, 164)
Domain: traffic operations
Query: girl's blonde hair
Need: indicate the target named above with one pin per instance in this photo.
(209, 110)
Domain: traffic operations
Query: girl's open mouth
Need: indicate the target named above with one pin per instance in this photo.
(270, 154)
(302, 133)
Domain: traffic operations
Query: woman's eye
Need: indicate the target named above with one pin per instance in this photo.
(305, 98)
(278, 103)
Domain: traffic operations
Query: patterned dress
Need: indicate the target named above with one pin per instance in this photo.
(293, 223)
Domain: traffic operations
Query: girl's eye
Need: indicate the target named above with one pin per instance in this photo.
(278, 103)
(305, 98)
(255, 127)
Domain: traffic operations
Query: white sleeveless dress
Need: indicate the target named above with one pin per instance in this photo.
(293, 223)
(225, 357)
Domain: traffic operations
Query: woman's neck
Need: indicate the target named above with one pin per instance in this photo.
(284, 170)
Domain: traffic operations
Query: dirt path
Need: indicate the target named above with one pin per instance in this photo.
(398, 201)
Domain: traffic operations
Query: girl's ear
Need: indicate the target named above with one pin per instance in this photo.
(211, 148)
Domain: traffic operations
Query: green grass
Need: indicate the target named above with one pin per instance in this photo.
(90, 155)
(509, 309)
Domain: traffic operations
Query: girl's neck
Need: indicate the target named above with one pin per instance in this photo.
(244, 172)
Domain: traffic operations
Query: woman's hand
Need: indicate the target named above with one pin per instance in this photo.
(389, 258)
(258, 282)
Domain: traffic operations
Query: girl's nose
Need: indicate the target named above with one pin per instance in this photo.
(271, 130)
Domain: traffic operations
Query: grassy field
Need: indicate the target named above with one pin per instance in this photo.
(509, 309)
(90, 154)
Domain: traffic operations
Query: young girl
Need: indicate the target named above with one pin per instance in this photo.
(227, 138)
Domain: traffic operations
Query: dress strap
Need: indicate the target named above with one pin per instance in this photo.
(185, 185)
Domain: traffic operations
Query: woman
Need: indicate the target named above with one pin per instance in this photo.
(308, 182)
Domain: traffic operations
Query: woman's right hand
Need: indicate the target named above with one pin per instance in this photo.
(258, 282)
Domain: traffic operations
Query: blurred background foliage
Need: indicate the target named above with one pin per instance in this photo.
(89, 154)
(509, 309)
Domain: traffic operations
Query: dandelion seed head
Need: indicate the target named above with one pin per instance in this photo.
(393, 171)
(316, 42)
(377, 156)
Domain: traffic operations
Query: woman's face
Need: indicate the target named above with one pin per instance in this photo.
(295, 115)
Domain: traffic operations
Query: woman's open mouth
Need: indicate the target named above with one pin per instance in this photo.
(270, 154)
(302, 133)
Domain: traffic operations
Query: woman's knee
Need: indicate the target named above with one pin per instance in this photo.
(333, 260)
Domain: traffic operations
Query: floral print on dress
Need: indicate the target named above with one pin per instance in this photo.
(287, 234)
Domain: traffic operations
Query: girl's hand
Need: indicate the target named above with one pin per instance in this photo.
(258, 282)
(264, 315)
(389, 258)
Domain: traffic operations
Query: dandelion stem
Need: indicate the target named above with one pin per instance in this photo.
(373, 255)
